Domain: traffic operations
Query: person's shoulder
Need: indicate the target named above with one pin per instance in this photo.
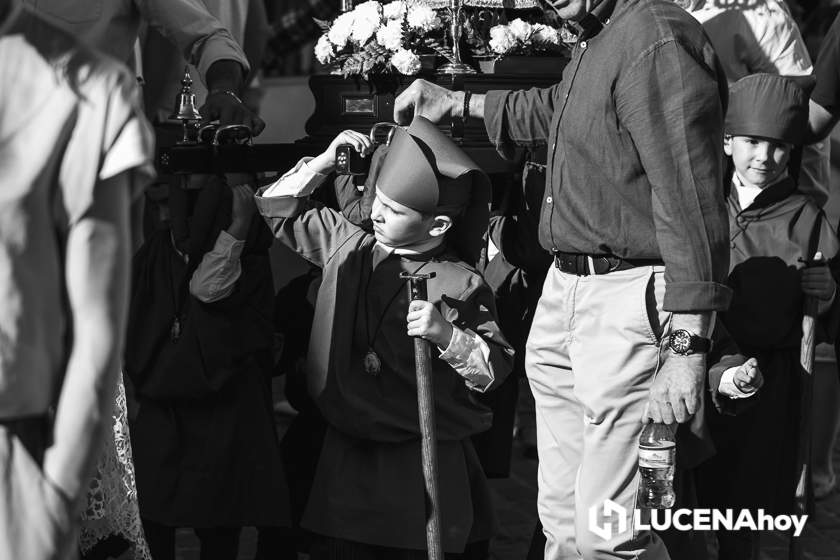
(650, 23)
(452, 270)
(658, 19)
(806, 202)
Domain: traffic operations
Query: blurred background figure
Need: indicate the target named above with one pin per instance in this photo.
(75, 150)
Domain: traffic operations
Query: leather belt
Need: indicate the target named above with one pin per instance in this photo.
(582, 264)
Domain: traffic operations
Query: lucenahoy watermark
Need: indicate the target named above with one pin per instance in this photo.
(614, 515)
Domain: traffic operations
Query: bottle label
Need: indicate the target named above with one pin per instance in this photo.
(657, 457)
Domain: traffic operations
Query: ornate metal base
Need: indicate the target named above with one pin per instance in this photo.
(455, 68)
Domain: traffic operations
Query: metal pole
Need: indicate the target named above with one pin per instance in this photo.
(428, 431)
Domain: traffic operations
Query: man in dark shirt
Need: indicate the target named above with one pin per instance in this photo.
(633, 212)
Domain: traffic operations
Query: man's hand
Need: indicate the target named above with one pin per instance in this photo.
(817, 282)
(425, 321)
(224, 82)
(427, 100)
(226, 106)
(676, 393)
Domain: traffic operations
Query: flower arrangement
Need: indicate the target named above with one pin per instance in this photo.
(377, 38)
(522, 38)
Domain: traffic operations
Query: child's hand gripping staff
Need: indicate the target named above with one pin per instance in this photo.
(815, 288)
(425, 403)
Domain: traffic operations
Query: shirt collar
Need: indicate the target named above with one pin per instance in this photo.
(779, 190)
(421, 252)
(431, 247)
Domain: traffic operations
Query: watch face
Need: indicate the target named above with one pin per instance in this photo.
(680, 341)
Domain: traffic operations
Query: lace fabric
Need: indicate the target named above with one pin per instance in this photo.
(112, 507)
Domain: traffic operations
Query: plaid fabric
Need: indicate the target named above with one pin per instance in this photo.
(293, 22)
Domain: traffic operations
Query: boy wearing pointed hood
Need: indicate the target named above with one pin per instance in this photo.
(773, 229)
(429, 214)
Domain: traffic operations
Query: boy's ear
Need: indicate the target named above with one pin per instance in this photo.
(727, 144)
(440, 225)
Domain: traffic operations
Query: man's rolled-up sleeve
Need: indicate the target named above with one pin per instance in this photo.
(199, 35)
(672, 104)
(519, 118)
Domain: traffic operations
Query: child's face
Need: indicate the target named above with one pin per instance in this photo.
(397, 225)
(758, 161)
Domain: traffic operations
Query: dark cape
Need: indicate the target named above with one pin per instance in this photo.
(755, 464)
(205, 447)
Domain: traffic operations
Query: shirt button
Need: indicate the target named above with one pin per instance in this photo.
(549, 200)
(583, 44)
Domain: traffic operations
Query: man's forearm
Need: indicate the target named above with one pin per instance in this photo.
(225, 75)
(476, 105)
(699, 323)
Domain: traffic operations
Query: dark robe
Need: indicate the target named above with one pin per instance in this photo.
(368, 486)
(205, 447)
(755, 464)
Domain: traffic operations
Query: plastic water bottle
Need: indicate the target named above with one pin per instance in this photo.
(657, 454)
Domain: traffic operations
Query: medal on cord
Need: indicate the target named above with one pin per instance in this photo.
(371, 361)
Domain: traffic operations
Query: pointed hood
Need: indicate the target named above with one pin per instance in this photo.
(426, 171)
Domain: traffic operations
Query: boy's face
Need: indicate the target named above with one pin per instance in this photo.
(397, 225)
(758, 161)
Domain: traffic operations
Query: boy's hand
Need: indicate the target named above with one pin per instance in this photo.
(748, 377)
(425, 321)
(325, 162)
(817, 282)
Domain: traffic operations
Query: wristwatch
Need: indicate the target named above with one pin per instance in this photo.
(684, 343)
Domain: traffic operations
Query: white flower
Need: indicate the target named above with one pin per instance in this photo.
(366, 21)
(324, 50)
(521, 30)
(390, 35)
(406, 62)
(364, 29)
(368, 10)
(341, 29)
(546, 34)
(501, 39)
(394, 10)
(423, 18)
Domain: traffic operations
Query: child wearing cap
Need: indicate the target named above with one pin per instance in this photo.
(429, 214)
(774, 231)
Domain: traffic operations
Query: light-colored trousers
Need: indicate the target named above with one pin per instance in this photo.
(592, 355)
(36, 522)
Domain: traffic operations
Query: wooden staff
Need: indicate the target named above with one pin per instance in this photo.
(803, 456)
(428, 432)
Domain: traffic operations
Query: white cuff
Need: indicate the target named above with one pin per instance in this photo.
(298, 182)
(228, 245)
(728, 388)
(469, 356)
